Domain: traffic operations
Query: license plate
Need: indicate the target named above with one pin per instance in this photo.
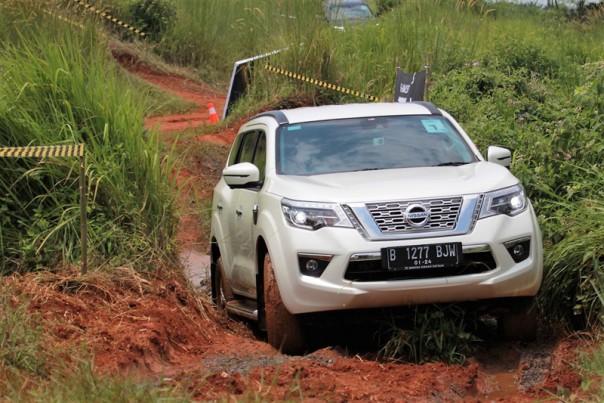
(416, 257)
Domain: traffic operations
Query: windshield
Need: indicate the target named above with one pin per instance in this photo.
(342, 12)
(369, 144)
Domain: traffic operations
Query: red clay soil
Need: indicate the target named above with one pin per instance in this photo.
(158, 327)
(191, 91)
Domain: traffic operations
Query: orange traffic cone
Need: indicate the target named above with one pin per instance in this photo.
(213, 115)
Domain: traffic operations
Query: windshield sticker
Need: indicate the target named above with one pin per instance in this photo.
(292, 128)
(378, 141)
(434, 126)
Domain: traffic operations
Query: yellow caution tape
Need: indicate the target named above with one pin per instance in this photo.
(73, 150)
(320, 83)
(110, 18)
(60, 17)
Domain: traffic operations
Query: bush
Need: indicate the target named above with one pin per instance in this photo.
(153, 17)
(515, 54)
(384, 6)
(573, 286)
(556, 135)
(437, 333)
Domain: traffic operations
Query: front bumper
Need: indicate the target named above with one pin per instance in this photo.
(336, 289)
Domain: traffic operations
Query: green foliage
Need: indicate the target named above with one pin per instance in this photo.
(438, 333)
(154, 17)
(386, 5)
(518, 53)
(575, 280)
(591, 368)
(59, 87)
(22, 347)
(557, 137)
(82, 384)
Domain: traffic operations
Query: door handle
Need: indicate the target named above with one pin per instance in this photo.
(239, 212)
(219, 206)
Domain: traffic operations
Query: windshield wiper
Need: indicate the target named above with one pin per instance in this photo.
(367, 169)
(451, 164)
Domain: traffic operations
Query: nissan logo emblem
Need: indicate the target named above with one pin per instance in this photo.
(416, 215)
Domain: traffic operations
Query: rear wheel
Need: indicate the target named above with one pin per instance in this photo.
(282, 328)
(224, 293)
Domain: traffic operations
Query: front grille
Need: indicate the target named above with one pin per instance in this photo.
(390, 216)
(372, 270)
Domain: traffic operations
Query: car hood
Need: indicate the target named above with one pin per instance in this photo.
(393, 184)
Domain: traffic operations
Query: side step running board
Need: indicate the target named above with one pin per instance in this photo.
(246, 309)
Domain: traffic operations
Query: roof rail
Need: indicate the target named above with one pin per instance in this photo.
(277, 115)
(430, 106)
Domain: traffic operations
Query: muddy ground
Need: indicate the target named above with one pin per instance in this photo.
(163, 328)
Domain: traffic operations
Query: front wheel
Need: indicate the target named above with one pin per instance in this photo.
(283, 329)
(222, 288)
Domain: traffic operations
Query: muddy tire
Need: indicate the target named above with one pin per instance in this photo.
(224, 293)
(282, 328)
(519, 323)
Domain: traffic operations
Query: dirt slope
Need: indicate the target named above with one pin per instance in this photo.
(159, 327)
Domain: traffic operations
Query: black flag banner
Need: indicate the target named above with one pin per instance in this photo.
(241, 78)
(409, 87)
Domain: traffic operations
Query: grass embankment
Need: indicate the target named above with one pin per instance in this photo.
(61, 86)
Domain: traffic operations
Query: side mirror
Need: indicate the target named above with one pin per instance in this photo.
(241, 175)
(500, 156)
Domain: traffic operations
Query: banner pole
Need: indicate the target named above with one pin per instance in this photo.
(83, 213)
(427, 67)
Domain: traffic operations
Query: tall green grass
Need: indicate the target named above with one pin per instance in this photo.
(60, 86)
(556, 132)
(436, 333)
(21, 344)
(445, 34)
(592, 368)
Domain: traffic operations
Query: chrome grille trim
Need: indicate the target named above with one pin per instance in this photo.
(380, 221)
(353, 220)
(390, 217)
(476, 213)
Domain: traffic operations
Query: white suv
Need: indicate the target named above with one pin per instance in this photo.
(344, 207)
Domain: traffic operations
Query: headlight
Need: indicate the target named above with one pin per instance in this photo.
(312, 215)
(510, 201)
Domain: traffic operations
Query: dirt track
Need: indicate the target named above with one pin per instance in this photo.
(161, 328)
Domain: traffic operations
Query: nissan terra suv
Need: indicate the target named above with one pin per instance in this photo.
(358, 206)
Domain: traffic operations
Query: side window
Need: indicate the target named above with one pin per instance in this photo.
(247, 147)
(251, 147)
(260, 155)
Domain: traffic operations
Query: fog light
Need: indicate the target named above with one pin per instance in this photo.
(313, 264)
(519, 249)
